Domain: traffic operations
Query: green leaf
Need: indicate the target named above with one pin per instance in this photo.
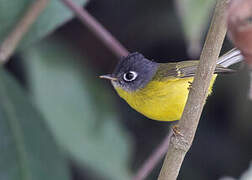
(79, 109)
(55, 15)
(195, 16)
(28, 151)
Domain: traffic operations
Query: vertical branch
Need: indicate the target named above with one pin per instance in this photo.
(94, 26)
(187, 126)
(10, 43)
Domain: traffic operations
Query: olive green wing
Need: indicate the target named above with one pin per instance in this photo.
(183, 69)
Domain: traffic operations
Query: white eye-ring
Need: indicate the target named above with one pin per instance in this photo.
(130, 76)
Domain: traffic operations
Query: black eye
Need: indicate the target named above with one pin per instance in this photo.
(130, 76)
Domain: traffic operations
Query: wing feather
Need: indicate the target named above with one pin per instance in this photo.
(183, 69)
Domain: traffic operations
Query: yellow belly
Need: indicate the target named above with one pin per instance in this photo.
(160, 100)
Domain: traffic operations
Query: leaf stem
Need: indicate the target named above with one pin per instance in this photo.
(180, 144)
(94, 26)
(10, 43)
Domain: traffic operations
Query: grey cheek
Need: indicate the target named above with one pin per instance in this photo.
(114, 84)
(117, 84)
(126, 86)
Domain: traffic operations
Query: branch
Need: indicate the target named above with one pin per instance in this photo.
(180, 144)
(94, 26)
(10, 43)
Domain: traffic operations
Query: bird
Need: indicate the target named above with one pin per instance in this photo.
(159, 91)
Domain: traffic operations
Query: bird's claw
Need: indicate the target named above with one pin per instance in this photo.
(190, 85)
(176, 131)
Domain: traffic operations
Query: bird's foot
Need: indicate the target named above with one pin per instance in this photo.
(176, 131)
(190, 85)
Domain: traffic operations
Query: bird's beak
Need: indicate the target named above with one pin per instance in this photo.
(108, 76)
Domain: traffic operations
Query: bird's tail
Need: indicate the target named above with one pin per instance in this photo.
(231, 57)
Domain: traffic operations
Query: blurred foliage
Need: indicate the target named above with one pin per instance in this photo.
(247, 175)
(28, 151)
(90, 137)
(195, 17)
(76, 108)
(52, 17)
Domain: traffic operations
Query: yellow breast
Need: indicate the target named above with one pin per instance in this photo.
(160, 100)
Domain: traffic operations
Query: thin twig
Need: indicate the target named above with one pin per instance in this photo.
(181, 143)
(94, 26)
(152, 161)
(10, 43)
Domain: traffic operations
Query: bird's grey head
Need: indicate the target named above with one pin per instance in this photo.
(133, 72)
